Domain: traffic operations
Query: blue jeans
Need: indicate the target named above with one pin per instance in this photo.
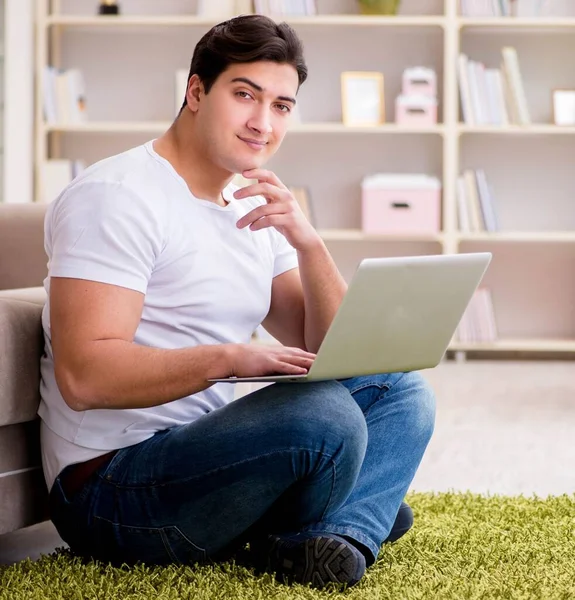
(335, 456)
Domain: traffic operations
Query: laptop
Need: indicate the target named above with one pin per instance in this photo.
(398, 314)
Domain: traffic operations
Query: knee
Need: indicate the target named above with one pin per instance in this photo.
(421, 405)
(327, 409)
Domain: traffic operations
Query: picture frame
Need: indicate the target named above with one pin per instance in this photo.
(362, 98)
(563, 103)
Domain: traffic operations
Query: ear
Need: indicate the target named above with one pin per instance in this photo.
(194, 92)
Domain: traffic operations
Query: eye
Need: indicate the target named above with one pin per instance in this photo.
(243, 94)
(284, 108)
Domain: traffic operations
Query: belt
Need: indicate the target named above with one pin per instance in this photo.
(76, 476)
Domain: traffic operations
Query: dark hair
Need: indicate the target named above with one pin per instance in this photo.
(246, 39)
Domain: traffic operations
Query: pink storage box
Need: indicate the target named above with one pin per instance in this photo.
(419, 81)
(400, 204)
(415, 111)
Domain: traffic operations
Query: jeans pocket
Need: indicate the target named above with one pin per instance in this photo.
(180, 547)
(119, 543)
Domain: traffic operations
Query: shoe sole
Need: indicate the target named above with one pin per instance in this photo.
(318, 561)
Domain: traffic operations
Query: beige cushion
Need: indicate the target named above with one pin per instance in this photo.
(37, 295)
(23, 262)
(21, 346)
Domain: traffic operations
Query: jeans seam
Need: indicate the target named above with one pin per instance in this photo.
(207, 473)
(163, 537)
(368, 385)
(333, 482)
(182, 535)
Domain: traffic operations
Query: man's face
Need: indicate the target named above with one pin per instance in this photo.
(245, 115)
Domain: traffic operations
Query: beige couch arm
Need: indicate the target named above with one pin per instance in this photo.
(21, 346)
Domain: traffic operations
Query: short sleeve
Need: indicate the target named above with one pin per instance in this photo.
(105, 232)
(285, 257)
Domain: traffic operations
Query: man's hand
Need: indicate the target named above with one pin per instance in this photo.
(282, 210)
(253, 360)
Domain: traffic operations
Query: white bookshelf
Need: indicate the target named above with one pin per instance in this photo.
(181, 21)
(159, 126)
(16, 100)
(129, 64)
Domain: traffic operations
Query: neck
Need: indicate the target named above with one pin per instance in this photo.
(182, 148)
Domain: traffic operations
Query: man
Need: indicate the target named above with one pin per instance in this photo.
(159, 272)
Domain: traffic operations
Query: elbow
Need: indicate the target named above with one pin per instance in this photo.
(74, 389)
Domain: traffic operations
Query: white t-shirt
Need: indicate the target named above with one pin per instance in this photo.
(131, 221)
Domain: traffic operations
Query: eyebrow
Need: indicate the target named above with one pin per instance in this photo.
(259, 88)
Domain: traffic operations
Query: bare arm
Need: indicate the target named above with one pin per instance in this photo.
(323, 290)
(98, 365)
(304, 300)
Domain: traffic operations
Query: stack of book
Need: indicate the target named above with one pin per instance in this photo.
(56, 174)
(64, 96)
(504, 8)
(475, 203)
(478, 322)
(493, 96)
(285, 8)
(272, 8)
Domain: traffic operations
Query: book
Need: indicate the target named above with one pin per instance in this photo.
(216, 9)
(465, 90)
(64, 96)
(302, 195)
(462, 209)
(513, 74)
(180, 89)
(478, 323)
(472, 195)
(486, 201)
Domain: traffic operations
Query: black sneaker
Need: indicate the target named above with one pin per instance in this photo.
(403, 523)
(310, 558)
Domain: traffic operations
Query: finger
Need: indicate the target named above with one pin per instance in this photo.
(267, 221)
(267, 190)
(295, 350)
(265, 210)
(304, 363)
(287, 368)
(302, 356)
(264, 175)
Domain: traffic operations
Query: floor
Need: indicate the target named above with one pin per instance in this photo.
(502, 428)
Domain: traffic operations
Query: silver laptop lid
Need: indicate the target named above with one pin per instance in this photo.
(399, 314)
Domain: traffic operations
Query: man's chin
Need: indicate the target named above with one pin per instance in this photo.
(247, 165)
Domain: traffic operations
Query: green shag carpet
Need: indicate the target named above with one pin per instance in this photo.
(462, 546)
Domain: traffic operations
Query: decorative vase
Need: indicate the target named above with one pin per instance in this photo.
(378, 7)
(108, 7)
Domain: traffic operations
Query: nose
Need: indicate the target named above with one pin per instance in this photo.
(260, 121)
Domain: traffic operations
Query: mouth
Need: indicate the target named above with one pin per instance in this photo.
(253, 144)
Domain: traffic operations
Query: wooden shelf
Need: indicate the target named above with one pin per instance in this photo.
(109, 127)
(357, 235)
(516, 22)
(519, 345)
(535, 129)
(390, 128)
(303, 128)
(195, 20)
(519, 236)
